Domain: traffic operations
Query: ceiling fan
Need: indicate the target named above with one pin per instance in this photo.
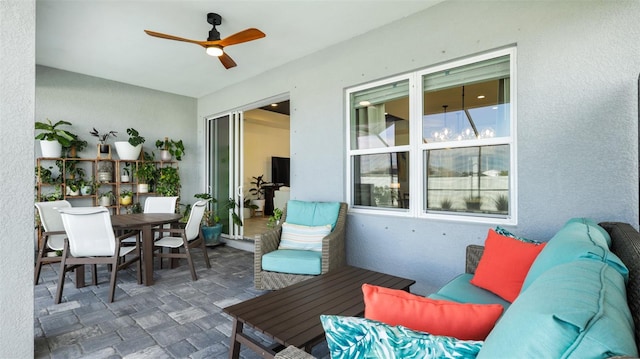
(214, 45)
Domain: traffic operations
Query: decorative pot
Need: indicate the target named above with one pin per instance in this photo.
(124, 178)
(85, 190)
(126, 200)
(259, 203)
(246, 213)
(104, 176)
(212, 234)
(51, 149)
(105, 201)
(165, 155)
(126, 151)
(143, 188)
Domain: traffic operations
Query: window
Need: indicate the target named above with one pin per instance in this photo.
(436, 143)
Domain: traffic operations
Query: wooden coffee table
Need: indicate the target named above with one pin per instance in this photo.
(291, 316)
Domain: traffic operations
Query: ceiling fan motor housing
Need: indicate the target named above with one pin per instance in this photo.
(214, 19)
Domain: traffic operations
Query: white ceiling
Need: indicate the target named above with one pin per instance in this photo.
(106, 39)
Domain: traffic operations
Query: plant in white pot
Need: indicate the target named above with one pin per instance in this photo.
(52, 138)
(130, 150)
(258, 191)
(105, 199)
(125, 176)
(170, 148)
(145, 174)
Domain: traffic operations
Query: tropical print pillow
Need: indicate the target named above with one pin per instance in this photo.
(351, 337)
(504, 232)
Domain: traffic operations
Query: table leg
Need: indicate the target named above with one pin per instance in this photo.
(147, 254)
(234, 348)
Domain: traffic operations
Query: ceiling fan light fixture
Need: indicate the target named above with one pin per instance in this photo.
(215, 51)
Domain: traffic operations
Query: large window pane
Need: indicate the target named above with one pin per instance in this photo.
(380, 116)
(469, 179)
(467, 102)
(381, 180)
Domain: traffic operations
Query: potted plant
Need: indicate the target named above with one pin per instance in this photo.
(75, 145)
(211, 226)
(145, 174)
(258, 191)
(169, 148)
(168, 182)
(105, 171)
(73, 187)
(126, 197)
(52, 138)
(106, 199)
(86, 187)
(126, 173)
(247, 208)
(130, 150)
(103, 147)
(274, 220)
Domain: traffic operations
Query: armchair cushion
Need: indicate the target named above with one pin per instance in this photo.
(295, 236)
(313, 213)
(293, 261)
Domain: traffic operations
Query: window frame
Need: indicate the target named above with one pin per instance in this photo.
(416, 148)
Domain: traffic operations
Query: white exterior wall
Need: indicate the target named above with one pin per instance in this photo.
(17, 74)
(577, 131)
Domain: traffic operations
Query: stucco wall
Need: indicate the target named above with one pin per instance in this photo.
(577, 131)
(17, 71)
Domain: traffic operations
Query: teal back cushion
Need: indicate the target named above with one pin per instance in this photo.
(574, 310)
(573, 241)
(351, 337)
(313, 213)
(596, 232)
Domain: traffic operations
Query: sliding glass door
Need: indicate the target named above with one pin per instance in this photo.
(225, 167)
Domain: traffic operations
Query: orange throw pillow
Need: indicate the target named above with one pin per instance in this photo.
(464, 321)
(504, 265)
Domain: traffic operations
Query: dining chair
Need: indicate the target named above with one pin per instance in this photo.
(53, 235)
(155, 205)
(188, 238)
(91, 240)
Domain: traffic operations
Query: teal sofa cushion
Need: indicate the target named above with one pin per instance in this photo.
(352, 337)
(461, 290)
(573, 310)
(575, 240)
(293, 261)
(596, 232)
(313, 213)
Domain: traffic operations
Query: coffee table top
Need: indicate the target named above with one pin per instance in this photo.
(292, 315)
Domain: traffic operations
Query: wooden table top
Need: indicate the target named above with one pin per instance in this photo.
(141, 219)
(292, 315)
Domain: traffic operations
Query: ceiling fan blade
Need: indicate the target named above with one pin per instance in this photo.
(227, 61)
(242, 36)
(176, 38)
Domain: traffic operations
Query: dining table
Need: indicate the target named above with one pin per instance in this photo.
(144, 222)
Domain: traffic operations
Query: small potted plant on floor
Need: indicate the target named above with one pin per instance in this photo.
(211, 226)
(130, 150)
(52, 138)
(170, 148)
(258, 191)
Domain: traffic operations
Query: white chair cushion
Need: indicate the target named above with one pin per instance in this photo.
(295, 236)
(171, 242)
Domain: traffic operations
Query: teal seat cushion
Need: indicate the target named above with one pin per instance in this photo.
(313, 213)
(574, 310)
(576, 240)
(293, 261)
(460, 290)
